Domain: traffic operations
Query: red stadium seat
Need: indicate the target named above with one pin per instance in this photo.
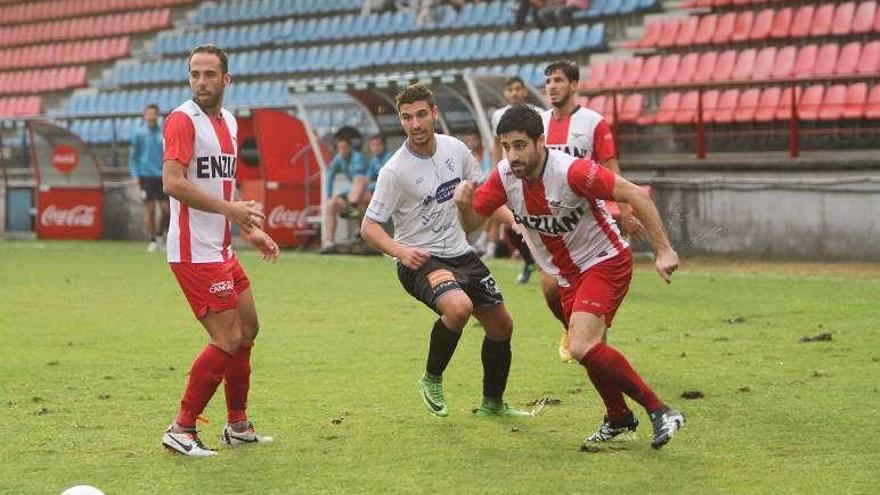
(743, 26)
(782, 23)
(632, 109)
(747, 105)
(597, 103)
(668, 106)
(726, 106)
(710, 104)
(872, 105)
(724, 29)
(686, 113)
(668, 33)
(652, 35)
(614, 72)
(854, 106)
(724, 66)
(876, 25)
(848, 60)
(842, 23)
(596, 75)
(811, 102)
(668, 69)
(762, 26)
(869, 62)
(805, 61)
(802, 22)
(686, 68)
(649, 70)
(764, 63)
(745, 65)
(608, 112)
(783, 111)
(687, 31)
(833, 103)
(706, 29)
(706, 67)
(768, 102)
(632, 72)
(822, 19)
(826, 60)
(863, 20)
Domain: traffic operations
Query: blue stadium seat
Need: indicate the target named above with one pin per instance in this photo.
(530, 43)
(596, 39)
(648, 5)
(580, 38)
(595, 10)
(563, 37)
(612, 7)
(628, 7)
(485, 47)
(515, 42)
(470, 46)
(545, 43)
(502, 41)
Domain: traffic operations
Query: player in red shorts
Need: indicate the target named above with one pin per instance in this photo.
(559, 200)
(199, 175)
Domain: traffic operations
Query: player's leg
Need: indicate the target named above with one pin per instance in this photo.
(150, 222)
(165, 217)
(332, 208)
(355, 196)
(496, 357)
(550, 288)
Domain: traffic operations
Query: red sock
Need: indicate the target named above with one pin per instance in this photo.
(615, 404)
(238, 382)
(204, 378)
(604, 359)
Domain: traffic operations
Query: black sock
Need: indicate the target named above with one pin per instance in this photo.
(496, 366)
(443, 342)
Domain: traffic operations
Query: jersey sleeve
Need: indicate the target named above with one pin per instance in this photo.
(603, 142)
(180, 137)
(491, 195)
(589, 179)
(385, 197)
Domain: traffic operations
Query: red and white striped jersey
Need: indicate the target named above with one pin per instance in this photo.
(207, 145)
(567, 224)
(583, 134)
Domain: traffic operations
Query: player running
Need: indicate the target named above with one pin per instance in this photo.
(199, 175)
(559, 200)
(435, 264)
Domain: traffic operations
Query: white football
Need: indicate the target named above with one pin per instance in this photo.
(82, 490)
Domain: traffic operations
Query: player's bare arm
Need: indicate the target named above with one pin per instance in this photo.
(464, 200)
(628, 222)
(666, 259)
(242, 213)
(265, 244)
(375, 235)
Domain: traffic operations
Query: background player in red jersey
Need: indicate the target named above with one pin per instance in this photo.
(559, 200)
(199, 175)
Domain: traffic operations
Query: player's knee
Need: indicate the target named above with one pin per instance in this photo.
(501, 329)
(457, 313)
(250, 329)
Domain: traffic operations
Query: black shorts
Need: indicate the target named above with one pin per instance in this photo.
(151, 189)
(440, 275)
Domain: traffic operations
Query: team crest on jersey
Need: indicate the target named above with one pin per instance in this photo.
(446, 190)
(450, 164)
(550, 225)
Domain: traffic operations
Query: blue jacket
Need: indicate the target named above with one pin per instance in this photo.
(352, 167)
(376, 164)
(145, 154)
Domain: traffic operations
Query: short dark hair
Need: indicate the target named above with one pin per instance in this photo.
(343, 139)
(151, 106)
(214, 50)
(513, 80)
(413, 93)
(521, 118)
(380, 137)
(570, 69)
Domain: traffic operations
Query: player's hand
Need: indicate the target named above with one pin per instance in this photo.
(245, 214)
(267, 246)
(666, 263)
(631, 225)
(464, 194)
(413, 258)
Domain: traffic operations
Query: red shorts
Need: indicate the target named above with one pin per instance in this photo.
(213, 286)
(600, 289)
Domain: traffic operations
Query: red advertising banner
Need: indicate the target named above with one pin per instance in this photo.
(248, 157)
(69, 213)
(287, 215)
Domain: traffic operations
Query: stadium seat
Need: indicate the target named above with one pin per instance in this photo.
(652, 35)
(687, 108)
(826, 60)
(784, 64)
(764, 63)
(726, 106)
(854, 105)
(597, 103)
(762, 26)
(632, 72)
(768, 102)
(833, 103)
(596, 75)
(687, 31)
(863, 20)
(822, 19)
(614, 72)
(745, 65)
(632, 109)
(724, 66)
(802, 22)
(811, 102)
(869, 62)
(747, 105)
(668, 33)
(686, 68)
(649, 70)
(782, 23)
(872, 104)
(710, 103)
(668, 106)
(706, 29)
(842, 23)
(805, 61)
(724, 28)
(595, 40)
(742, 28)
(848, 60)
(668, 69)
(705, 67)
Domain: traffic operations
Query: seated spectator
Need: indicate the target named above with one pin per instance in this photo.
(350, 164)
(362, 186)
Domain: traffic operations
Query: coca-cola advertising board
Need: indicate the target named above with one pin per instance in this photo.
(287, 215)
(69, 213)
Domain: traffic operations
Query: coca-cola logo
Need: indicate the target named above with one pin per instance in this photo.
(65, 158)
(77, 216)
(282, 218)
